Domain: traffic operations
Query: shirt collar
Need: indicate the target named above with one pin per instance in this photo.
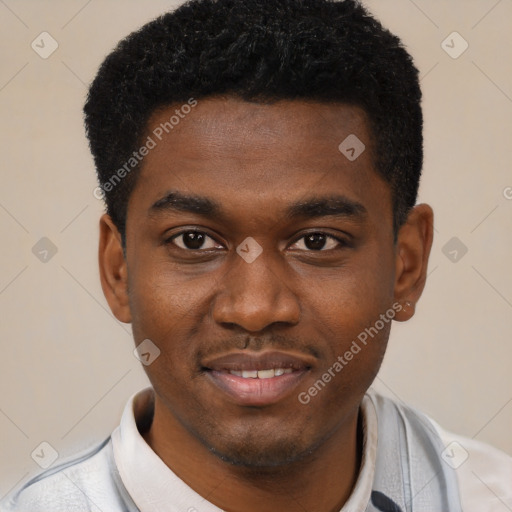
(154, 486)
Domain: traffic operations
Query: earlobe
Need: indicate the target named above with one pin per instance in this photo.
(113, 269)
(412, 252)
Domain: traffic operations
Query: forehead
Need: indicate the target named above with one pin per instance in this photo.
(252, 130)
(239, 152)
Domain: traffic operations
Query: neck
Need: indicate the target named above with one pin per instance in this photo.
(322, 481)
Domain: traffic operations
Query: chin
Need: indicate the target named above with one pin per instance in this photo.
(261, 457)
(262, 452)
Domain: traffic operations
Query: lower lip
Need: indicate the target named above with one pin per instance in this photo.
(256, 392)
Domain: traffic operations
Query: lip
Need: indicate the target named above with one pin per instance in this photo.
(254, 361)
(254, 391)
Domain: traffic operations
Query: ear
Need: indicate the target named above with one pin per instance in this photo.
(113, 269)
(414, 242)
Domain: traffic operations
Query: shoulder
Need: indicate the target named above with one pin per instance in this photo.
(484, 473)
(80, 483)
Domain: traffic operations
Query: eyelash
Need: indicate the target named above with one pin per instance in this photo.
(342, 242)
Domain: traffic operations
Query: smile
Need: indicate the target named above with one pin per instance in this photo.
(261, 374)
(257, 379)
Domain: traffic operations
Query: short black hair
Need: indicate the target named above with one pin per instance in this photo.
(263, 51)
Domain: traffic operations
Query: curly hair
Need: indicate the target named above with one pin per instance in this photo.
(263, 51)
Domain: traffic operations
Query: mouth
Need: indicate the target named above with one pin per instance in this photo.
(261, 374)
(257, 379)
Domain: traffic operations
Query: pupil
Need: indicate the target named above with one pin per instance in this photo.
(315, 241)
(193, 240)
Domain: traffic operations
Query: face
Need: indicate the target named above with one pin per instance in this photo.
(256, 253)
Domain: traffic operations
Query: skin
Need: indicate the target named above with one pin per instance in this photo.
(255, 160)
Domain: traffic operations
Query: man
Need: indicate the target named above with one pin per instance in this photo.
(260, 162)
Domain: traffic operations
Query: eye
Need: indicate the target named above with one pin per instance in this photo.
(192, 240)
(318, 242)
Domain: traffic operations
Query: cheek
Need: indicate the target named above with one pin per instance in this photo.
(164, 311)
(161, 297)
(168, 307)
(353, 296)
(357, 338)
(346, 308)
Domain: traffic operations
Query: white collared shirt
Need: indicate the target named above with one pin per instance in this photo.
(125, 474)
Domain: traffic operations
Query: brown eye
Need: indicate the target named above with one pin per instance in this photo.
(318, 242)
(193, 240)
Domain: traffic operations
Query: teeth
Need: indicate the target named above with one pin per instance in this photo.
(261, 374)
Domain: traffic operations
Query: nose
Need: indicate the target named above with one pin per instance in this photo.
(255, 295)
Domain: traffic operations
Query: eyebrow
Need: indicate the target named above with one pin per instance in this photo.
(337, 206)
(177, 201)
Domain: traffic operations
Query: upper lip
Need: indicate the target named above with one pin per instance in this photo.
(257, 361)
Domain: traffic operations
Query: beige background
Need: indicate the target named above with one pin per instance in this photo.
(67, 366)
